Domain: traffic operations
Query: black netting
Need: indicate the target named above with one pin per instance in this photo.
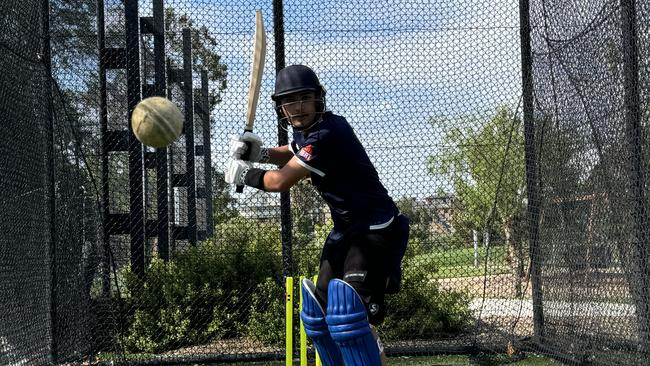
(590, 119)
(25, 274)
(116, 252)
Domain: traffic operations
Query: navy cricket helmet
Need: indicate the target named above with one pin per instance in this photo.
(294, 79)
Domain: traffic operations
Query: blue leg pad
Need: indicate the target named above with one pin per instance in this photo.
(313, 318)
(348, 324)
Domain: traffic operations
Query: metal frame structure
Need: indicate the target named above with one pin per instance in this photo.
(141, 159)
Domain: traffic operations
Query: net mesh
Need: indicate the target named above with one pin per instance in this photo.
(25, 275)
(593, 219)
(115, 252)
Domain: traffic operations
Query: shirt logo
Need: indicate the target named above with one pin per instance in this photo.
(306, 152)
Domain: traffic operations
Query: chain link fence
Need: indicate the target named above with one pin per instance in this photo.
(113, 252)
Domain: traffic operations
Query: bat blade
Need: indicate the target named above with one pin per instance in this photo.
(257, 70)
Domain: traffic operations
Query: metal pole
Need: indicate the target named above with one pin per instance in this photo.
(136, 157)
(103, 126)
(207, 153)
(51, 192)
(190, 173)
(532, 178)
(162, 169)
(283, 138)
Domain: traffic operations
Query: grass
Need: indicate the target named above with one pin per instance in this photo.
(457, 360)
(454, 263)
(451, 360)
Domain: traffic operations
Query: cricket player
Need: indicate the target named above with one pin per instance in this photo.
(361, 257)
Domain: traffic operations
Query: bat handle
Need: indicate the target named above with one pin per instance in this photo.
(245, 156)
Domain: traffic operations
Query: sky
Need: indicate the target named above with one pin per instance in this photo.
(391, 67)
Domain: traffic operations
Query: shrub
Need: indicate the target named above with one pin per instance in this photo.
(267, 321)
(203, 293)
(421, 310)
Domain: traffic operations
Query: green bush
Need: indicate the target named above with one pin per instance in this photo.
(231, 287)
(420, 309)
(204, 292)
(267, 321)
(307, 258)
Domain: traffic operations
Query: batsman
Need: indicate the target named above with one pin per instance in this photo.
(361, 257)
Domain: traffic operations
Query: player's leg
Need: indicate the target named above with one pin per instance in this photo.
(347, 320)
(382, 354)
(365, 272)
(313, 318)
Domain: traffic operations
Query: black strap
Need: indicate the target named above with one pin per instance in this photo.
(255, 178)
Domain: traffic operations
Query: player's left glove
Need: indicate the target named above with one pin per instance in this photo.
(248, 140)
(236, 171)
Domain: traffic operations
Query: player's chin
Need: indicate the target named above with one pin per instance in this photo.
(301, 122)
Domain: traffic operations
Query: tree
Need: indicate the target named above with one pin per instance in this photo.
(203, 55)
(484, 159)
(308, 213)
(74, 59)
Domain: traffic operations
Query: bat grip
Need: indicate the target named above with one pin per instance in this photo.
(245, 157)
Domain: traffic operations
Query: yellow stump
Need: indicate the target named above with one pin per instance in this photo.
(303, 335)
(288, 298)
(318, 362)
(289, 324)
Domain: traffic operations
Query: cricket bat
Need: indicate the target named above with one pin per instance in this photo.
(257, 70)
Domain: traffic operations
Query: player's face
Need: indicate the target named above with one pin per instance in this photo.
(300, 108)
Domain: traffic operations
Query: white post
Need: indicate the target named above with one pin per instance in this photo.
(475, 247)
(486, 243)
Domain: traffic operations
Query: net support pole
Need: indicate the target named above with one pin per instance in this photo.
(51, 193)
(103, 126)
(532, 177)
(190, 169)
(136, 157)
(162, 168)
(204, 113)
(156, 161)
(636, 181)
(283, 139)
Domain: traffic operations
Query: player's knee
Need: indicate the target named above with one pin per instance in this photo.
(371, 295)
(312, 313)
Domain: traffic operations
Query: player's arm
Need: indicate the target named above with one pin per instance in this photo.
(283, 179)
(280, 155)
(240, 172)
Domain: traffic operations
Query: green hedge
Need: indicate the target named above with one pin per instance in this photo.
(232, 287)
(205, 292)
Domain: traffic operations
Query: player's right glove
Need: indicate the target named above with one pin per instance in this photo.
(236, 171)
(240, 144)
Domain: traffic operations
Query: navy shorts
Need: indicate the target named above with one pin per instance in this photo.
(370, 262)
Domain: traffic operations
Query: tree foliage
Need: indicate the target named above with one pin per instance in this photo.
(204, 56)
(485, 162)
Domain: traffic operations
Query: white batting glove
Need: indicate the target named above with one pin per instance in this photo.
(236, 171)
(239, 146)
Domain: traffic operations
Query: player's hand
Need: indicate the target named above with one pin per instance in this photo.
(240, 144)
(236, 171)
